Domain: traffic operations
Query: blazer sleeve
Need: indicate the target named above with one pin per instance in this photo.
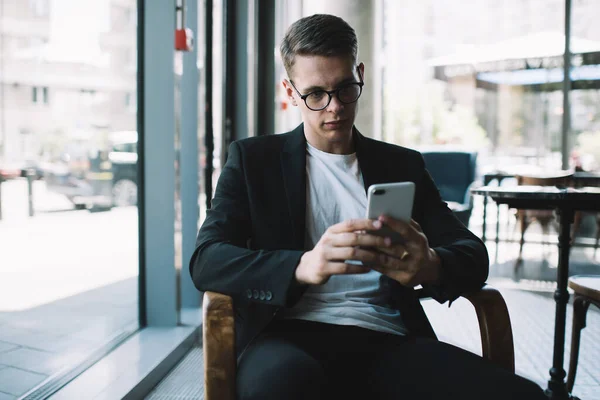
(222, 261)
(465, 261)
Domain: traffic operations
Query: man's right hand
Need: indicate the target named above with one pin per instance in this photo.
(347, 240)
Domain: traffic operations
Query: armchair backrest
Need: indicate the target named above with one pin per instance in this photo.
(453, 172)
(560, 178)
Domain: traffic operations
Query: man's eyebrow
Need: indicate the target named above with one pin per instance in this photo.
(316, 87)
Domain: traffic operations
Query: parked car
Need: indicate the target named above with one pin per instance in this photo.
(9, 171)
(32, 167)
(123, 157)
(101, 178)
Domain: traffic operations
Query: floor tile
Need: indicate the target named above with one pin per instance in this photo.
(5, 346)
(27, 338)
(587, 392)
(16, 382)
(32, 360)
(6, 396)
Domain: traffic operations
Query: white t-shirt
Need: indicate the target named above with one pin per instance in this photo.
(335, 192)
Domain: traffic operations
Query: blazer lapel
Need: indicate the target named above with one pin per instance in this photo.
(293, 164)
(374, 162)
(371, 166)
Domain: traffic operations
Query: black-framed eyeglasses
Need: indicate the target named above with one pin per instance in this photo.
(320, 99)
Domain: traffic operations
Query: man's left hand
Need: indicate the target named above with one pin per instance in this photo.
(412, 262)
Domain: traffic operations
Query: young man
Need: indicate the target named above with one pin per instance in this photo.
(289, 210)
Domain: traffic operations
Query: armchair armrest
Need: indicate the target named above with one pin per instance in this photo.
(218, 338)
(468, 195)
(218, 341)
(494, 324)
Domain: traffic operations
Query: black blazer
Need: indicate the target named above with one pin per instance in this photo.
(253, 236)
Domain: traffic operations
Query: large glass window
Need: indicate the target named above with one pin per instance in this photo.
(585, 113)
(488, 75)
(68, 189)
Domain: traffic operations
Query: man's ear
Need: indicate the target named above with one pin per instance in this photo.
(289, 91)
(361, 67)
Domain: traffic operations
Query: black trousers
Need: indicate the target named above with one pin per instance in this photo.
(300, 360)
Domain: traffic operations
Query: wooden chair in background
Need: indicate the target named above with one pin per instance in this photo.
(579, 216)
(218, 335)
(577, 224)
(543, 217)
(587, 291)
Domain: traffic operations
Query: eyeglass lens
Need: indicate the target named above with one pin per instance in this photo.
(346, 94)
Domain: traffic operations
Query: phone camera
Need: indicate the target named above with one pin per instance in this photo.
(378, 191)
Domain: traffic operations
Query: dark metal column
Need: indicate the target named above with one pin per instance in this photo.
(229, 78)
(566, 117)
(209, 142)
(141, 22)
(264, 77)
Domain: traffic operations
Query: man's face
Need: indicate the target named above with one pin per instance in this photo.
(330, 129)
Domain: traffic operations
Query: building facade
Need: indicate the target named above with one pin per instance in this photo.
(65, 76)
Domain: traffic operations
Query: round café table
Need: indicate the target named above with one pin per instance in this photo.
(565, 201)
(580, 178)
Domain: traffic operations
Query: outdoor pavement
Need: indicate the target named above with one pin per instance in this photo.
(68, 284)
(39, 343)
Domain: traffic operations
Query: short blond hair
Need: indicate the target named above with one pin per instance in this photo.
(318, 35)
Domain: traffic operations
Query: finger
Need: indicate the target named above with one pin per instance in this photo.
(384, 270)
(397, 225)
(415, 225)
(397, 251)
(340, 268)
(406, 229)
(353, 253)
(391, 272)
(353, 225)
(403, 277)
(394, 262)
(361, 238)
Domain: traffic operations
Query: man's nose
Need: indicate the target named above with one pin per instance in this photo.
(335, 105)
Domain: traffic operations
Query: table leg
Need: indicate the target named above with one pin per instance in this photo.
(485, 201)
(497, 224)
(557, 388)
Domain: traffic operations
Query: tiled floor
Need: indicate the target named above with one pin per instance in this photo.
(532, 319)
(38, 343)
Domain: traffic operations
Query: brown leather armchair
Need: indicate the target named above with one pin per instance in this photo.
(218, 337)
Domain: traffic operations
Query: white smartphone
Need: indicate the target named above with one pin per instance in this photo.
(392, 199)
